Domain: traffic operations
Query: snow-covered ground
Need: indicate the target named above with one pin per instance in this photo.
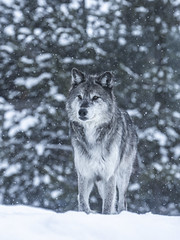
(27, 223)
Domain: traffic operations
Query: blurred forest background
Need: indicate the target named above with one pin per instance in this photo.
(40, 42)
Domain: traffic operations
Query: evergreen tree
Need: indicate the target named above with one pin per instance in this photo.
(35, 129)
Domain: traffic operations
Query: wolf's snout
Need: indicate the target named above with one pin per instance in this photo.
(82, 113)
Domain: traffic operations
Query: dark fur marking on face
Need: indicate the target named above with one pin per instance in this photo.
(98, 178)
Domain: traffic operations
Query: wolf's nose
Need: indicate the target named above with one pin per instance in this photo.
(82, 112)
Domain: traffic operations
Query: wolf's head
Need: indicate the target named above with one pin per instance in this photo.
(91, 97)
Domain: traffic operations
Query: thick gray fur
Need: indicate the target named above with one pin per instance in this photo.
(104, 141)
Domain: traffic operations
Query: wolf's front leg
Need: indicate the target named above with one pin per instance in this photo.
(109, 201)
(84, 189)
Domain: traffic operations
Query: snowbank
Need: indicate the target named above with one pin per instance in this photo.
(27, 223)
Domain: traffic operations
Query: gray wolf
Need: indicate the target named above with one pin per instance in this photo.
(104, 141)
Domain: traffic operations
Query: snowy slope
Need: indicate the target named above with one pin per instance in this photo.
(27, 223)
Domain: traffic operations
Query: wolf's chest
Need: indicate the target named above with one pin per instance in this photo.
(96, 155)
(97, 162)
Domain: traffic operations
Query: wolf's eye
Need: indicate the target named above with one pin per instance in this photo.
(79, 97)
(95, 98)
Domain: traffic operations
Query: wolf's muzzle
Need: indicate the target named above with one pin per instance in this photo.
(83, 114)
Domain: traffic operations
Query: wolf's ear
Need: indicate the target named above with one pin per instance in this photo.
(77, 77)
(106, 79)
